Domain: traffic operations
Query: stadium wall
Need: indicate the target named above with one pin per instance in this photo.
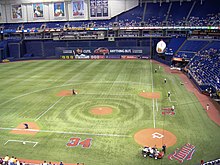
(48, 48)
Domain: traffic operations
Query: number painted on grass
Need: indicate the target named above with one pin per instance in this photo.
(74, 142)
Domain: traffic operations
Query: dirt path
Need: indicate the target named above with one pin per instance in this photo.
(21, 130)
(150, 95)
(41, 162)
(213, 112)
(155, 136)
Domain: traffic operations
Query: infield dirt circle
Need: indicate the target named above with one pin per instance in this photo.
(66, 93)
(152, 137)
(101, 111)
(33, 129)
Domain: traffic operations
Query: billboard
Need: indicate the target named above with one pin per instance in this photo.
(38, 11)
(78, 8)
(59, 9)
(102, 52)
(16, 11)
(98, 8)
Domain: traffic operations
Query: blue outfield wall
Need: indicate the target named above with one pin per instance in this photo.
(40, 49)
(54, 49)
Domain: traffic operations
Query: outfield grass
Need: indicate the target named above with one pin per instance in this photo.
(28, 93)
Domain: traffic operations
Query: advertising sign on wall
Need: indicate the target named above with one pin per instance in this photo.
(38, 10)
(102, 52)
(59, 9)
(98, 8)
(78, 8)
(16, 11)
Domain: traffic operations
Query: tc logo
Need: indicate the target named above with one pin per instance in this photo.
(157, 135)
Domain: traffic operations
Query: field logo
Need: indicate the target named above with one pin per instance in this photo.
(157, 135)
(186, 152)
(75, 141)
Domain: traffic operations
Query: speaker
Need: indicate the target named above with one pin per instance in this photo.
(111, 38)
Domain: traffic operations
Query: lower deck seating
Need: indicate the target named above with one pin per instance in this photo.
(204, 68)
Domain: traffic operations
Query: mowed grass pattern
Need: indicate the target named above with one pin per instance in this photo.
(29, 93)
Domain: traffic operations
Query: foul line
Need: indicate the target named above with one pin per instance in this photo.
(106, 94)
(154, 118)
(35, 143)
(171, 100)
(156, 105)
(61, 132)
(49, 109)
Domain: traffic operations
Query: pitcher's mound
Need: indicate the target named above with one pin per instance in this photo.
(101, 111)
(152, 137)
(65, 93)
(20, 129)
(150, 95)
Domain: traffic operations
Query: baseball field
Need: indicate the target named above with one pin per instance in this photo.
(120, 106)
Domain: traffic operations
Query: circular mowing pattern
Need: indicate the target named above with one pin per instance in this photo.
(101, 111)
(155, 136)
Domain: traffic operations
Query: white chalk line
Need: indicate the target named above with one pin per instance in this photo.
(22, 141)
(63, 132)
(156, 105)
(154, 117)
(171, 100)
(49, 109)
(104, 94)
(25, 94)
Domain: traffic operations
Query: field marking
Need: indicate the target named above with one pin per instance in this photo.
(25, 94)
(156, 105)
(22, 141)
(154, 118)
(49, 109)
(71, 133)
(106, 94)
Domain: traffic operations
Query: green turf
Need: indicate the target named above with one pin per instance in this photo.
(28, 93)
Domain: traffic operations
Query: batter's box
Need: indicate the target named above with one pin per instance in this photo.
(23, 142)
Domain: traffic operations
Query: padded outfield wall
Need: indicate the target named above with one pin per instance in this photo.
(29, 49)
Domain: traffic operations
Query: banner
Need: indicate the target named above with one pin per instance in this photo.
(16, 11)
(78, 8)
(59, 9)
(38, 11)
(113, 57)
(97, 57)
(98, 8)
(102, 52)
(130, 57)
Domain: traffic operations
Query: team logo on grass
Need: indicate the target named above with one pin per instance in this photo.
(75, 141)
(185, 153)
(168, 111)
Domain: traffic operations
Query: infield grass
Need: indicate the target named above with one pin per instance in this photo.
(29, 93)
